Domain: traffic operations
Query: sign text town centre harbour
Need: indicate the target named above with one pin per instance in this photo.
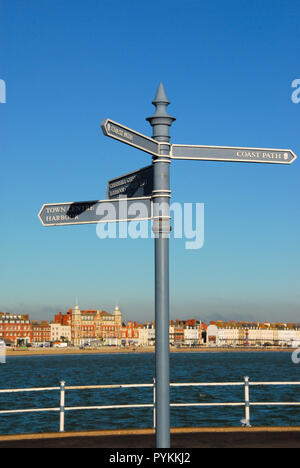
(151, 188)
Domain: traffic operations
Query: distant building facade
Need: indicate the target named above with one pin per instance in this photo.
(15, 329)
(88, 326)
(59, 332)
(92, 327)
(253, 334)
(41, 333)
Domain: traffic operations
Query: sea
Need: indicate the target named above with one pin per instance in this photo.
(138, 368)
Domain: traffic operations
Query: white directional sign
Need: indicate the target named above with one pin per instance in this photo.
(227, 153)
(130, 137)
(102, 211)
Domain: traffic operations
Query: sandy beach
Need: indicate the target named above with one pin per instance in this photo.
(106, 349)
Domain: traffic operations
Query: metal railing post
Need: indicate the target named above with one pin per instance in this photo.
(247, 403)
(154, 403)
(62, 407)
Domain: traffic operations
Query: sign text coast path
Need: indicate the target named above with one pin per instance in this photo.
(232, 154)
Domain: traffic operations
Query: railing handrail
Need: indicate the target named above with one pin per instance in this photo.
(149, 385)
(19, 390)
(63, 388)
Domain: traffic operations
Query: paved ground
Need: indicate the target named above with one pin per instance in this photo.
(180, 438)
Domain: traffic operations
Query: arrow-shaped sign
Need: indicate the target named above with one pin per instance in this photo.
(130, 137)
(227, 153)
(91, 212)
(135, 184)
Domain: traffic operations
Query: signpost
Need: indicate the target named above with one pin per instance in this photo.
(161, 123)
(91, 212)
(135, 184)
(154, 180)
(130, 137)
(232, 154)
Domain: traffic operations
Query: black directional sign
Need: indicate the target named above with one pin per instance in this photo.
(134, 184)
(223, 153)
(91, 212)
(130, 137)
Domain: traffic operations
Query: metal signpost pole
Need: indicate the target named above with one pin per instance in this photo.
(161, 195)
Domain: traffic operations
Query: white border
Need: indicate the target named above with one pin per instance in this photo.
(114, 200)
(233, 148)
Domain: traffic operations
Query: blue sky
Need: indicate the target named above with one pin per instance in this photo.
(227, 68)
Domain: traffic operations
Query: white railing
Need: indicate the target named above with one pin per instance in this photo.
(62, 409)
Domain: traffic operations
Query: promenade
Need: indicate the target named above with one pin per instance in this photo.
(262, 437)
(114, 350)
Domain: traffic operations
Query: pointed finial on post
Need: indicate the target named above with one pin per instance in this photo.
(161, 120)
(161, 95)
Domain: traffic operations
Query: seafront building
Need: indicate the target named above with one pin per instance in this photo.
(253, 334)
(15, 328)
(41, 332)
(92, 326)
(60, 333)
(96, 328)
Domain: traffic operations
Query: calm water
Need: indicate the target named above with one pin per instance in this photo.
(46, 371)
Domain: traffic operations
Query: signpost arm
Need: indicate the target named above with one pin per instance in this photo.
(161, 123)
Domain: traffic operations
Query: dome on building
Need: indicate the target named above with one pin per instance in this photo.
(76, 310)
(117, 311)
